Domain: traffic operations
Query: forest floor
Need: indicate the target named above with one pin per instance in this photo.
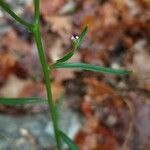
(100, 111)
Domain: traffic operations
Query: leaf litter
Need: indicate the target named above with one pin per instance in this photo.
(118, 36)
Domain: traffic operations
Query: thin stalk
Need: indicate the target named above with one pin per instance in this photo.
(45, 67)
(36, 11)
(7, 8)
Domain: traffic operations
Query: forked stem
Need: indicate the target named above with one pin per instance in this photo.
(7, 8)
(35, 29)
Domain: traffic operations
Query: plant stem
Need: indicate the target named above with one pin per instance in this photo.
(35, 29)
(45, 67)
(36, 11)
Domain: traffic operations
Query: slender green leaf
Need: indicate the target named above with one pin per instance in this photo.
(68, 141)
(20, 101)
(65, 57)
(8, 9)
(90, 67)
(79, 41)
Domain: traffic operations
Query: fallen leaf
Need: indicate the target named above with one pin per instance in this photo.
(12, 87)
(60, 25)
(48, 8)
(94, 136)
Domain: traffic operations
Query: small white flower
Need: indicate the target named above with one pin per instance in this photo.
(74, 38)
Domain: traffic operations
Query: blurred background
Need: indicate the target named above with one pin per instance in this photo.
(100, 111)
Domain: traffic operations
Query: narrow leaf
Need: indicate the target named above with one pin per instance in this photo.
(65, 57)
(79, 41)
(90, 67)
(8, 9)
(68, 141)
(20, 101)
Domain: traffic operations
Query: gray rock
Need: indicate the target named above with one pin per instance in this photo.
(34, 132)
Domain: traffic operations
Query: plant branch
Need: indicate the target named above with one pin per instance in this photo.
(7, 8)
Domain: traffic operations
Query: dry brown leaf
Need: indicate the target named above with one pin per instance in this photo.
(32, 89)
(103, 103)
(61, 75)
(12, 87)
(99, 92)
(57, 90)
(56, 50)
(7, 62)
(141, 122)
(94, 136)
(17, 45)
(48, 8)
(60, 25)
(140, 64)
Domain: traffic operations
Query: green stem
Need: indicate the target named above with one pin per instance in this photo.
(7, 8)
(45, 67)
(36, 11)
